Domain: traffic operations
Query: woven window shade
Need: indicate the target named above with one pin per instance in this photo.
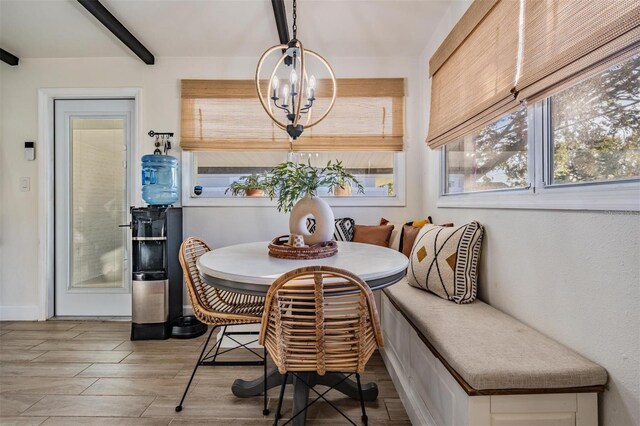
(567, 40)
(226, 115)
(474, 70)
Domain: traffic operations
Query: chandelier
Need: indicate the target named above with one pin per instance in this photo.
(289, 99)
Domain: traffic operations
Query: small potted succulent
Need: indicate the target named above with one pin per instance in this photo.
(343, 189)
(253, 185)
(295, 185)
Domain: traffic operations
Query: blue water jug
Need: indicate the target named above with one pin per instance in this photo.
(159, 179)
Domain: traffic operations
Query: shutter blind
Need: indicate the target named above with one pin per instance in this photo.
(566, 41)
(226, 115)
(526, 48)
(473, 72)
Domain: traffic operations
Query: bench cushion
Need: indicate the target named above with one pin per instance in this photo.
(491, 350)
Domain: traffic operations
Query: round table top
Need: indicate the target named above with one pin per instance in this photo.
(248, 268)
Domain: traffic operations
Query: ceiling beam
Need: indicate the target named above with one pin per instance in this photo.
(111, 22)
(8, 58)
(280, 14)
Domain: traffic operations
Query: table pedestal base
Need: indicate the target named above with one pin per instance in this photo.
(248, 388)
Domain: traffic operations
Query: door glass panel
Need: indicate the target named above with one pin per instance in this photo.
(98, 203)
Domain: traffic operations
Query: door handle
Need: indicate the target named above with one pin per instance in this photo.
(128, 225)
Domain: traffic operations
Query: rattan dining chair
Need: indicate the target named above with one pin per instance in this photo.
(219, 308)
(320, 319)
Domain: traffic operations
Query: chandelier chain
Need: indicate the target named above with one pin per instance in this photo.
(295, 25)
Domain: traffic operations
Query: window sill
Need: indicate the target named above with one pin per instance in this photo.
(598, 197)
(191, 201)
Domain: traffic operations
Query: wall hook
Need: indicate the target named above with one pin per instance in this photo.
(163, 139)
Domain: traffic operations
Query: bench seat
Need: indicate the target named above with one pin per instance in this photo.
(476, 366)
(491, 350)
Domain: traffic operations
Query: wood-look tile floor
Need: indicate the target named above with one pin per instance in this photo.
(90, 373)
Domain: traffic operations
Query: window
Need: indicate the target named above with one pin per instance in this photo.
(558, 148)
(225, 134)
(595, 127)
(215, 171)
(574, 66)
(491, 158)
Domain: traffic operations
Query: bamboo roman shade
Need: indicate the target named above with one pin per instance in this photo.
(474, 70)
(505, 52)
(226, 115)
(564, 40)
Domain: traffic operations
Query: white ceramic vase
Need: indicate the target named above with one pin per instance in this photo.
(321, 212)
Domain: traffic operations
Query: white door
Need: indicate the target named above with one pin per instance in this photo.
(92, 197)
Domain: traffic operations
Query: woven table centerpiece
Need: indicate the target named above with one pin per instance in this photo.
(280, 248)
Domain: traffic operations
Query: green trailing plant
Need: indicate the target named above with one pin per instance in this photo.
(245, 184)
(389, 187)
(291, 181)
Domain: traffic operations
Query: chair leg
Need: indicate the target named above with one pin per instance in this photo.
(365, 419)
(278, 410)
(265, 410)
(211, 358)
(184, 395)
(219, 343)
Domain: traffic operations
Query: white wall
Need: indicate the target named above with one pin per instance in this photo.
(161, 112)
(574, 276)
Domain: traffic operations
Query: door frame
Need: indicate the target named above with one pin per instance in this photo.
(45, 157)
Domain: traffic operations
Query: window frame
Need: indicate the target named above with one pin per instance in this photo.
(191, 200)
(617, 195)
(444, 176)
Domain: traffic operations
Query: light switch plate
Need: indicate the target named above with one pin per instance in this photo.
(25, 184)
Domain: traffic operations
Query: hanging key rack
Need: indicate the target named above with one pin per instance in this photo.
(163, 139)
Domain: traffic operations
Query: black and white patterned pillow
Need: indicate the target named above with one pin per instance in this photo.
(444, 260)
(343, 231)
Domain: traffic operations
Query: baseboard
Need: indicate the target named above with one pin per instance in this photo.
(20, 313)
(415, 408)
(187, 309)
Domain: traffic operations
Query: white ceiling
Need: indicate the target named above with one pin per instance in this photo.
(63, 28)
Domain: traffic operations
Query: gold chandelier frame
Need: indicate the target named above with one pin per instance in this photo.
(301, 83)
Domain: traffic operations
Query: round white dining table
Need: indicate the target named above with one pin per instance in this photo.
(248, 269)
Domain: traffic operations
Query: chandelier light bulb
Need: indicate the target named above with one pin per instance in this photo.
(312, 82)
(293, 77)
(275, 83)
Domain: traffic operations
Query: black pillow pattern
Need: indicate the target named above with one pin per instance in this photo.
(343, 231)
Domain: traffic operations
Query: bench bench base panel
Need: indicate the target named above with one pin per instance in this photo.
(432, 397)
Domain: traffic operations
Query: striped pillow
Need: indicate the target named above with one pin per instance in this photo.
(344, 228)
(444, 261)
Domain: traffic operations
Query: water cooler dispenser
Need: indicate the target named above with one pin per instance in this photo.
(159, 179)
(157, 275)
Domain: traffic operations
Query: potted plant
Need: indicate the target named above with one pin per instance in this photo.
(343, 189)
(295, 185)
(253, 185)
